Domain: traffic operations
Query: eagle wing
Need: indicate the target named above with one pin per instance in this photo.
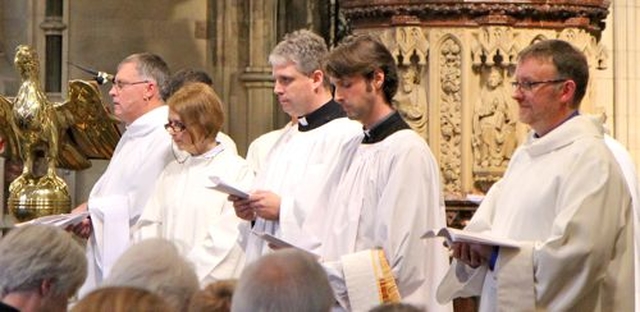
(89, 130)
(11, 149)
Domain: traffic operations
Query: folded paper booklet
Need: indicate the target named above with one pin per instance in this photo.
(455, 235)
(59, 220)
(277, 243)
(224, 187)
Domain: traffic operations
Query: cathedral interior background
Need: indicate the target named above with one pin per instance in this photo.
(456, 61)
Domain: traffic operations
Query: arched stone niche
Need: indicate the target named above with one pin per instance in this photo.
(456, 64)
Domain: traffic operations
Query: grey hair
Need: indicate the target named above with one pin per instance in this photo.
(150, 66)
(31, 254)
(303, 48)
(156, 265)
(285, 280)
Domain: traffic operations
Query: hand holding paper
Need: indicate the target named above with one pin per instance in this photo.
(455, 235)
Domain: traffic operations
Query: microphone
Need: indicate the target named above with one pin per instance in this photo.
(99, 76)
(102, 78)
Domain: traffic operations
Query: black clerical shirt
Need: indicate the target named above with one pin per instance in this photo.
(327, 112)
(388, 126)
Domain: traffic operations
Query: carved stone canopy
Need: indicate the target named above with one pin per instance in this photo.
(554, 14)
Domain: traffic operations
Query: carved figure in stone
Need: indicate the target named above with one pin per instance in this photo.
(494, 128)
(411, 100)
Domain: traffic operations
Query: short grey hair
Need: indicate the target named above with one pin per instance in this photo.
(156, 265)
(303, 48)
(31, 254)
(285, 280)
(150, 66)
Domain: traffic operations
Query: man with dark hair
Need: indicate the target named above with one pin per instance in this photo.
(563, 199)
(389, 195)
(41, 267)
(118, 198)
(179, 78)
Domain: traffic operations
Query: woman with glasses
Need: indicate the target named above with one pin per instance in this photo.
(199, 220)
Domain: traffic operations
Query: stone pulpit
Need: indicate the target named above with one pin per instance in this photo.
(456, 60)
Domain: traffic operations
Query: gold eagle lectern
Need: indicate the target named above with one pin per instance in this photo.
(46, 135)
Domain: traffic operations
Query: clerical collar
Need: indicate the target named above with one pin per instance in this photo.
(574, 114)
(327, 112)
(384, 128)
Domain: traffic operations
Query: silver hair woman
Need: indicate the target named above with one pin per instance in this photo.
(155, 265)
(40, 268)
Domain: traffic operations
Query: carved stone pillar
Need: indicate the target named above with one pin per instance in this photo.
(257, 76)
(456, 62)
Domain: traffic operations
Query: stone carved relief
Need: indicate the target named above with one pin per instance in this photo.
(531, 14)
(450, 54)
(494, 126)
(494, 45)
(494, 132)
(411, 99)
(410, 48)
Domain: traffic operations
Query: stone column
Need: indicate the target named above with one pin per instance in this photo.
(626, 75)
(261, 103)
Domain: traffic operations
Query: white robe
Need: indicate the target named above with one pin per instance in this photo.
(227, 142)
(390, 195)
(302, 169)
(631, 178)
(260, 148)
(564, 199)
(199, 220)
(117, 199)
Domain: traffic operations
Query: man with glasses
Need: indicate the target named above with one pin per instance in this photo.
(563, 199)
(117, 199)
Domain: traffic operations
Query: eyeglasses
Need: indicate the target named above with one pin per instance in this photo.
(175, 127)
(528, 85)
(119, 85)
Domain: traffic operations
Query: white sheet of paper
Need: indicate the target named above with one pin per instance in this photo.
(222, 186)
(278, 243)
(455, 235)
(59, 220)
